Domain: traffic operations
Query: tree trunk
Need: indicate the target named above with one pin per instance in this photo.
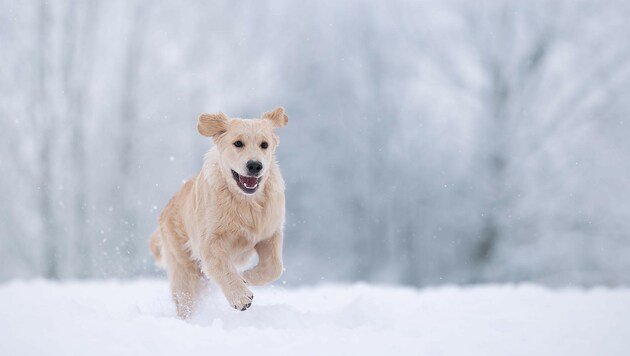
(128, 121)
(45, 126)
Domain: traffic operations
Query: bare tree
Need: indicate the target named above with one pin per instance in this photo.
(45, 129)
(122, 196)
(77, 62)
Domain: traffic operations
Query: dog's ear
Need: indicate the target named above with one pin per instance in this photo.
(277, 116)
(212, 125)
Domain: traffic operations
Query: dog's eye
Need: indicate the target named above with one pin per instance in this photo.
(264, 145)
(238, 143)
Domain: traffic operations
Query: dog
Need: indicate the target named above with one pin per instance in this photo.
(234, 208)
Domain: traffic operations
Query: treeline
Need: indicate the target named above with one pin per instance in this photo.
(429, 142)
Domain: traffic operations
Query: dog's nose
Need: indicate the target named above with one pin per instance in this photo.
(254, 167)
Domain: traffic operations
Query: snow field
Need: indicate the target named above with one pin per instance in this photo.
(138, 318)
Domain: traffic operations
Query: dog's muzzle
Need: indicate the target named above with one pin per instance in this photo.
(248, 184)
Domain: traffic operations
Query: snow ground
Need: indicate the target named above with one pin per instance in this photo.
(137, 318)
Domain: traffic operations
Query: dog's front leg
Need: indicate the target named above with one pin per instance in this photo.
(269, 266)
(218, 266)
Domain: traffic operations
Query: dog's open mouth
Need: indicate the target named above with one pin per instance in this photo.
(247, 184)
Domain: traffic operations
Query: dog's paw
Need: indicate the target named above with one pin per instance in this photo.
(240, 299)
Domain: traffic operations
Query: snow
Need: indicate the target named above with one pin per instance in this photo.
(137, 318)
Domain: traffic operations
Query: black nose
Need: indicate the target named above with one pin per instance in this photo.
(254, 167)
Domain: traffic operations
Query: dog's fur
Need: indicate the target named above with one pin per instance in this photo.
(212, 225)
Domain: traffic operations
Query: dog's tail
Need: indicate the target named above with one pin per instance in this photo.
(155, 244)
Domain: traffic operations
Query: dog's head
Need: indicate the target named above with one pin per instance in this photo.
(246, 147)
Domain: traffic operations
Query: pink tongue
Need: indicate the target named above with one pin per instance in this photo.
(248, 181)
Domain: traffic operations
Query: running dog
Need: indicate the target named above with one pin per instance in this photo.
(231, 210)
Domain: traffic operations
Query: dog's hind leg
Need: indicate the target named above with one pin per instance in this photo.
(185, 282)
(185, 279)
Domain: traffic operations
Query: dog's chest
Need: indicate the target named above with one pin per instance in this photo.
(249, 224)
(249, 230)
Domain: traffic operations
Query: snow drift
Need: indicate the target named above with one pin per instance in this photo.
(138, 318)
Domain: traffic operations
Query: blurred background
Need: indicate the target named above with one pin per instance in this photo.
(429, 142)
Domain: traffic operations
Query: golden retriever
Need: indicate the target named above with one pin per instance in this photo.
(232, 209)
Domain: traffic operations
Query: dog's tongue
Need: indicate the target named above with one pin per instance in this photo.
(249, 182)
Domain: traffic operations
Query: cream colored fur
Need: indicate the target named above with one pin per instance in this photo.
(211, 227)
